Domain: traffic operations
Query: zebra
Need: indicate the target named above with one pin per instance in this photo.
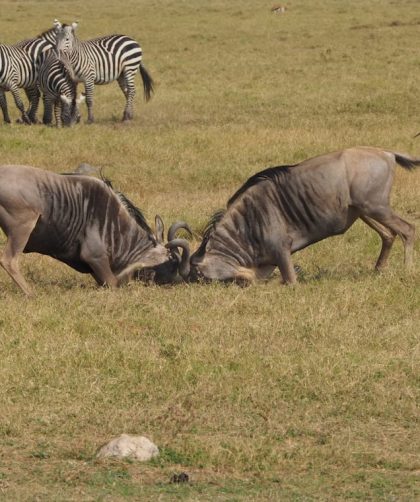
(18, 69)
(103, 60)
(57, 82)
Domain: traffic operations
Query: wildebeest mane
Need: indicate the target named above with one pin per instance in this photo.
(133, 211)
(209, 229)
(267, 174)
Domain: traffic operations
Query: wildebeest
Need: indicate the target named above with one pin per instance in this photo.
(80, 221)
(283, 209)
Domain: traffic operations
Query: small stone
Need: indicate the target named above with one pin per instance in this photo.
(127, 446)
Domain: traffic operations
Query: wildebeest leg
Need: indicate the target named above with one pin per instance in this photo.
(102, 272)
(396, 224)
(283, 259)
(388, 237)
(93, 254)
(18, 233)
(3, 105)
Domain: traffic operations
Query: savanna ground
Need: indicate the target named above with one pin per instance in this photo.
(263, 393)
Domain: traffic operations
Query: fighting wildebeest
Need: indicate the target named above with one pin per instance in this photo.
(283, 209)
(82, 222)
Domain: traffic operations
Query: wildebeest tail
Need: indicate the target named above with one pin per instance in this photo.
(148, 84)
(406, 162)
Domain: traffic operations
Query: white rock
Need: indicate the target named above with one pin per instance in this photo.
(127, 446)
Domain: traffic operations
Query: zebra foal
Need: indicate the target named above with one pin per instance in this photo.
(103, 60)
(57, 83)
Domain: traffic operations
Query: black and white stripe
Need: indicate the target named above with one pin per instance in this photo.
(59, 88)
(19, 70)
(103, 60)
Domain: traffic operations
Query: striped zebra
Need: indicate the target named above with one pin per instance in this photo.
(59, 88)
(18, 69)
(103, 60)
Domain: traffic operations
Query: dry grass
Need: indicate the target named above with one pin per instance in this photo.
(263, 393)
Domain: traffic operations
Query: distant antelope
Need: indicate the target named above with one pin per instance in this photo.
(278, 9)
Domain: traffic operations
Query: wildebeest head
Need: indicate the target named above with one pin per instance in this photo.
(167, 271)
(211, 262)
(162, 262)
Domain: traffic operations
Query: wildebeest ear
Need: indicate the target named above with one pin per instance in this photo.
(159, 229)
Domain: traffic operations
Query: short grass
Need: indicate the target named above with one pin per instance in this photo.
(262, 393)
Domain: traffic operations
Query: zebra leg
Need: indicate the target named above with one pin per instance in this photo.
(3, 105)
(89, 100)
(126, 83)
(33, 95)
(47, 118)
(57, 112)
(19, 103)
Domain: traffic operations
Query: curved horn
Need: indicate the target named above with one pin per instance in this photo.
(184, 266)
(173, 229)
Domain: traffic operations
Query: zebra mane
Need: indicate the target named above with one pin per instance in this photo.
(267, 174)
(209, 229)
(133, 211)
(46, 33)
(66, 65)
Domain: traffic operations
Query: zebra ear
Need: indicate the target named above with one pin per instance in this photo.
(74, 25)
(65, 99)
(57, 24)
(81, 98)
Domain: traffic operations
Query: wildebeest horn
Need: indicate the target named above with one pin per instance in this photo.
(173, 229)
(184, 266)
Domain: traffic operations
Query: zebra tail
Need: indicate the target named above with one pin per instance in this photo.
(148, 84)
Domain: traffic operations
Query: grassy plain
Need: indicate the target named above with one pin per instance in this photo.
(263, 393)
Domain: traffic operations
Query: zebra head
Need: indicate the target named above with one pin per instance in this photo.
(70, 113)
(65, 36)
